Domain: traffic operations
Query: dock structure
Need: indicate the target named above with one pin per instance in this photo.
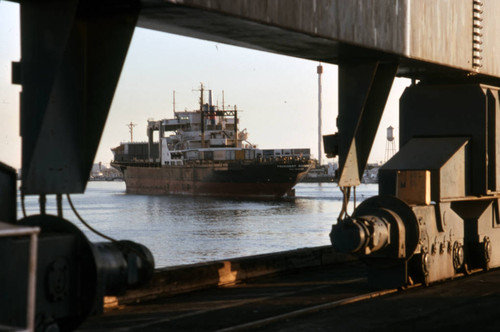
(316, 298)
(372, 42)
(442, 218)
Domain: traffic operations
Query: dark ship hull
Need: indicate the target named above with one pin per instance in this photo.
(226, 179)
(202, 152)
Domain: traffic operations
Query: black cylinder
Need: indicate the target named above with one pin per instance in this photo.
(123, 265)
(365, 234)
(348, 236)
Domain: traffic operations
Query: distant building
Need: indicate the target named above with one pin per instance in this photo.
(371, 173)
(102, 172)
(323, 173)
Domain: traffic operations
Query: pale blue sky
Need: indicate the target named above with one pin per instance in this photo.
(277, 94)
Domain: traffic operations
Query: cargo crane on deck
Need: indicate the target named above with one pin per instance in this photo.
(437, 214)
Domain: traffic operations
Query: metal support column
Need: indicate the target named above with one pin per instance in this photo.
(72, 54)
(363, 92)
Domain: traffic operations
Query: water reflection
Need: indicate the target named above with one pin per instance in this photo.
(182, 230)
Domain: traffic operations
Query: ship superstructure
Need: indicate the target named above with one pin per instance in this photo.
(203, 152)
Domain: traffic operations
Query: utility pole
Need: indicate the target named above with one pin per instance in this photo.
(131, 130)
(319, 71)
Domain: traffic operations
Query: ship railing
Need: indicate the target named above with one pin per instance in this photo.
(277, 160)
(137, 163)
(260, 160)
(284, 160)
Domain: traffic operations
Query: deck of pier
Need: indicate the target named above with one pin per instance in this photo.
(315, 298)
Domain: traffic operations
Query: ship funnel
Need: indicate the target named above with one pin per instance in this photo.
(210, 97)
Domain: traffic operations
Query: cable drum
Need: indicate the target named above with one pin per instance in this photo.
(399, 215)
(380, 223)
(74, 274)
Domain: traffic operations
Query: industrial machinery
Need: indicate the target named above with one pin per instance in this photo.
(52, 277)
(437, 213)
(67, 276)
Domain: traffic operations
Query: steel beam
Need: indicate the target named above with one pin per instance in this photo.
(431, 39)
(8, 212)
(363, 92)
(72, 54)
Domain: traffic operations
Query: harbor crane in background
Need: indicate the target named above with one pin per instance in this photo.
(437, 214)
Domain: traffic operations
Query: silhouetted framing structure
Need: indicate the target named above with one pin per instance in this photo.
(73, 52)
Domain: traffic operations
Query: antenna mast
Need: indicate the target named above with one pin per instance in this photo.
(201, 89)
(202, 116)
(131, 130)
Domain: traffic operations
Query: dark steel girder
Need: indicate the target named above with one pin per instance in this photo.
(72, 54)
(208, 21)
(365, 74)
(363, 91)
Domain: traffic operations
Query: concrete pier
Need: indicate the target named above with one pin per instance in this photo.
(311, 289)
(174, 280)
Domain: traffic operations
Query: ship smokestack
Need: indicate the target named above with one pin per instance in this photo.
(209, 98)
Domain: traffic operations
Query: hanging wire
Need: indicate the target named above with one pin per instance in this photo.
(354, 197)
(346, 191)
(43, 200)
(59, 205)
(86, 224)
(121, 244)
(22, 205)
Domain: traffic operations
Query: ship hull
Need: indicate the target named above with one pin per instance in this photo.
(231, 180)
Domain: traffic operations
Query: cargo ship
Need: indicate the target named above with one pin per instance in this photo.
(203, 152)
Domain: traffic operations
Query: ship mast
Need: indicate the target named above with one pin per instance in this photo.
(235, 127)
(202, 117)
(131, 130)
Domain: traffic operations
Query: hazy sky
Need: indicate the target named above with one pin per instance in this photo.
(277, 95)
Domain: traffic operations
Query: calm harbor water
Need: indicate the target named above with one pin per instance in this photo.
(183, 230)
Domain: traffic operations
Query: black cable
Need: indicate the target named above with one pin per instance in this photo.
(121, 244)
(43, 200)
(346, 191)
(22, 205)
(341, 213)
(85, 223)
(59, 205)
(354, 197)
(347, 199)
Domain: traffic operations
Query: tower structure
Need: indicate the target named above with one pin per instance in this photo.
(390, 145)
(319, 71)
